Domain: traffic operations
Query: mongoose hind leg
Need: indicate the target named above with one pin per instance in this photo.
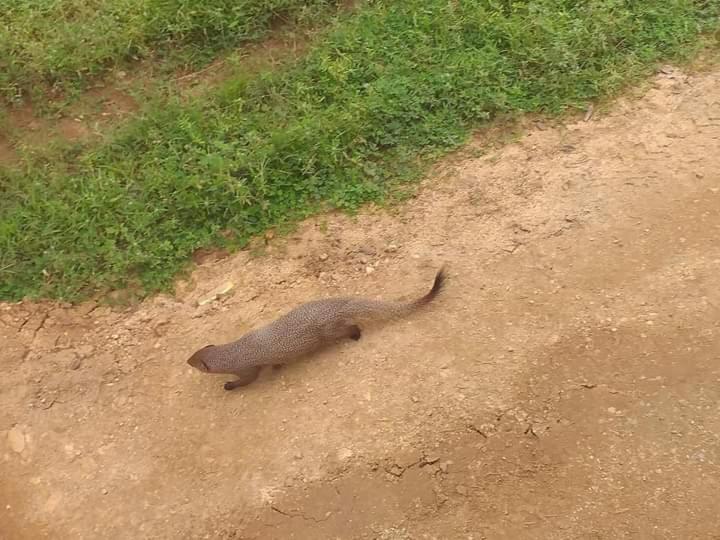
(336, 331)
(245, 377)
(354, 332)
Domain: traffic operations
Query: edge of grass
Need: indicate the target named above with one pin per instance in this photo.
(391, 88)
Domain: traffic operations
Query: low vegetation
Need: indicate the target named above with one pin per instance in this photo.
(390, 86)
(62, 45)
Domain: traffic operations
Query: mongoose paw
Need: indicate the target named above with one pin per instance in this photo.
(245, 377)
(354, 332)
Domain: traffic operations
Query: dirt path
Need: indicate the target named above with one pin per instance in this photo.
(566, 386)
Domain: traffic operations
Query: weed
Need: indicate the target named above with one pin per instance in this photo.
(393, 86)
(59, 45)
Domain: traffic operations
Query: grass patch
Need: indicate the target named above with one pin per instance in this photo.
(393, 85)
(62, 44)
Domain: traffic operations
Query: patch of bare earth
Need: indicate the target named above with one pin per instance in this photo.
(565, 386)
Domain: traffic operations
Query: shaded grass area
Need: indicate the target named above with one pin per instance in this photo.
(392, 86)
(62, 44)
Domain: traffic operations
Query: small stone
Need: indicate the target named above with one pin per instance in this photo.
(16, 439)
(75, 364)
(345, 454)
(323, 257)
(392, 248)
(161, 321)
(298, 456)
(201, 311)
(85, 350)
(65, 358)
(612, 410)
(217, 292)
(369, 270)
(104, 491)
(444, 467)
(430, 459)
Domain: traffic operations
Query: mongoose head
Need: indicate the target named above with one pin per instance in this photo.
(202, 359)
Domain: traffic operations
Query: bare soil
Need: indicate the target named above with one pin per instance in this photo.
(566, 385)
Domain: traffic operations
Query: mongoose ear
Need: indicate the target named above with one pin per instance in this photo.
(206, 346)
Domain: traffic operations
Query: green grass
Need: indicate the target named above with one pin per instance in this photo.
(393, 85)
(63, 44)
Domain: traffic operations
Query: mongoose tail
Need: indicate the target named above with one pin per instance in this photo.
(365, 310)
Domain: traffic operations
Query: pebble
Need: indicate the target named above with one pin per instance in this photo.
(369, 269)
(215, 293)
(323, 257)
(16, 439)
(392, 248)
(85, 350)
(66, 358)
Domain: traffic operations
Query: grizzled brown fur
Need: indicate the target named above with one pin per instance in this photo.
(304, 330)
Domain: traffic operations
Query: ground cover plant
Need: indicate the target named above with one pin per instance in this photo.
(64, 44)
(391, 86)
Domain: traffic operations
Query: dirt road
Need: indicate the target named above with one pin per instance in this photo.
(566, 386)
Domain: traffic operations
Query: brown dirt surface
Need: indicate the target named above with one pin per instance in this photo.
(566, 385)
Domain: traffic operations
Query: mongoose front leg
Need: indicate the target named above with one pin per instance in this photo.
(245, 377)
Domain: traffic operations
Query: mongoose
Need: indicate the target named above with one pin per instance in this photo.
(306, 329)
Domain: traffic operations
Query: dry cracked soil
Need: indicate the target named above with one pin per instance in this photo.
(566, 384)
